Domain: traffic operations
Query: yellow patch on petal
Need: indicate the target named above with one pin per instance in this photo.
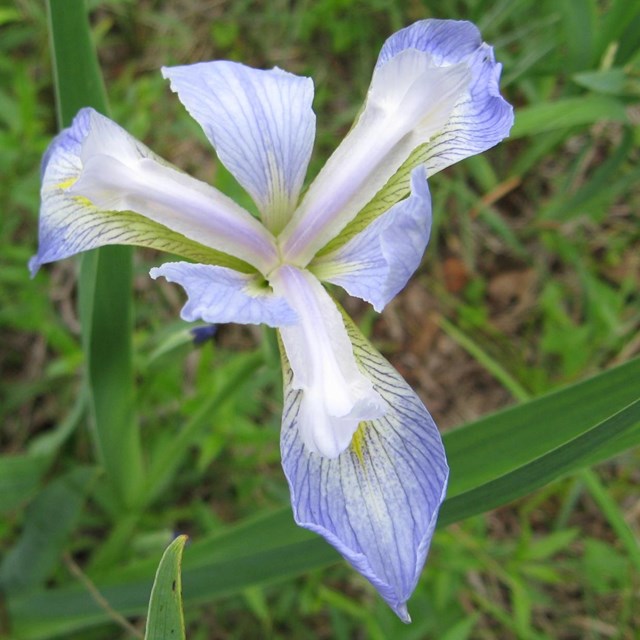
(357, 442)
(65, 184)
(85, 202)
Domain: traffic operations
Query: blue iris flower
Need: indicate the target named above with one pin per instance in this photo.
(363, 458)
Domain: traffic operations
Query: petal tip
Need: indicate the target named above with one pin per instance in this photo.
(34, 265)
(402, 612)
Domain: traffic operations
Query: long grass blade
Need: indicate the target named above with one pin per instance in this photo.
(105, 275)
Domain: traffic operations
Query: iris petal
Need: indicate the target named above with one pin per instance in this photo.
(450, 41)
(376, 503)
(409, 102)
(477, 119)
(260, 123)
(69, 225)
(376, 264)
(101, 186)
(336, 396)
(216, 294)
(482, 117)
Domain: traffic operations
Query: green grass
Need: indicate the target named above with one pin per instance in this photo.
(532, 266)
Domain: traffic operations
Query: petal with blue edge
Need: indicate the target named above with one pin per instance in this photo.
(376, 264)
(101, 186)
(482, 117)
(218, 295)
(260, 123)
(69, 225)
(479, 119)
(409, 102)
(377, 503)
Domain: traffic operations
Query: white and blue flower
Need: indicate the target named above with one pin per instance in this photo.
(363, 458)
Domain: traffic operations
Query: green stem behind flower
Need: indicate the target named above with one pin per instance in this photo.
(105, 276)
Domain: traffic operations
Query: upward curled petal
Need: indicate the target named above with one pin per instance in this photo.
(434, 100)
(481, 117)
(409, 102)
(376, 264)
(260, 123)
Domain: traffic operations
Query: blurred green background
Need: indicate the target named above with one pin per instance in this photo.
(530, 283)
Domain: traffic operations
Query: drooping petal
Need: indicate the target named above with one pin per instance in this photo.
(101, 186)
(410, 100)
(376, 264)
(376, 503)
(218, 295)
(482, 117)
(260, 123)
(335, 395)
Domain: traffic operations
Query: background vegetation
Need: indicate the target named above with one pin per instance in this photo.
(530, 283)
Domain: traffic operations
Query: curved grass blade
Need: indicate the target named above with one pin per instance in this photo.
(493, 461)
(566, 113)
(558, 462)
(498, 444)
(48, 523)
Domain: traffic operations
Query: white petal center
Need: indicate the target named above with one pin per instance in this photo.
(336, 395)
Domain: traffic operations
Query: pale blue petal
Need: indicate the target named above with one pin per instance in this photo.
(482, 117)
(260, 123)
(377, 503)
(448, 41)
(101, 186)
(218, 295)
(63, 153)
(376, 264)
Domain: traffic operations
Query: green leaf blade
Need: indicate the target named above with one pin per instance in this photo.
(19, 479)
(500, 443)
(49, 520)
(165, 620)
(565, 113)
(106, 310)
(493, 461)
(552, 465)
